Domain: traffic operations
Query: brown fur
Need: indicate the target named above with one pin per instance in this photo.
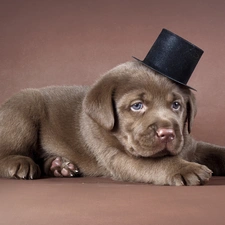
(95, 129)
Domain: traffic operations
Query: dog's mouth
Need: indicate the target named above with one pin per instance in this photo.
(164, 152)
(156, 148)
(147, 146)
(168, 149)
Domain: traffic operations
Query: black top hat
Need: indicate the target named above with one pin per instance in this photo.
(173, 57)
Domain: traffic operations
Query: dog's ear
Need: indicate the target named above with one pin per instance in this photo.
(191, 110)
(98, 103)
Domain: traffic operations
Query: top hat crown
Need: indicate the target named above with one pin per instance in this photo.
(173, 57)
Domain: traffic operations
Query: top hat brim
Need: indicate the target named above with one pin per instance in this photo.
(164, 74)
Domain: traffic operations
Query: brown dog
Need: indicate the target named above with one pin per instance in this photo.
(132, 125)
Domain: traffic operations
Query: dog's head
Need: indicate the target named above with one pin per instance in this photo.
(149, 114)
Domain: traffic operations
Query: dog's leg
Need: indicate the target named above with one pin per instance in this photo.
(212, 156)
(60, 167)
(19, 130)
(170, 170)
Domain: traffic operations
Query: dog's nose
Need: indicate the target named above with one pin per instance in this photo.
(165, 134)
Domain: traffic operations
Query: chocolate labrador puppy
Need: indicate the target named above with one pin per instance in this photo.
(132, 125)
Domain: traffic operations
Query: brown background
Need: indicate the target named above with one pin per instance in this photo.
(66, 42)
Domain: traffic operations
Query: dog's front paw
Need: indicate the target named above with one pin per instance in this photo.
(191, 174)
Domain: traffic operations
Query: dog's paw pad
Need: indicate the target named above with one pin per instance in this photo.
(61, 167)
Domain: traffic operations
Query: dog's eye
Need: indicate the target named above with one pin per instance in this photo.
(137, 106)
(176, 105)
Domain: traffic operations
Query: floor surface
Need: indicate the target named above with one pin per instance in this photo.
(101, 201)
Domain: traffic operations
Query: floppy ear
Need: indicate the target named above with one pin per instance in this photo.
(98, 103)
(191, 110)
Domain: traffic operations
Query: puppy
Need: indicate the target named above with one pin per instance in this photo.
(131, 125)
